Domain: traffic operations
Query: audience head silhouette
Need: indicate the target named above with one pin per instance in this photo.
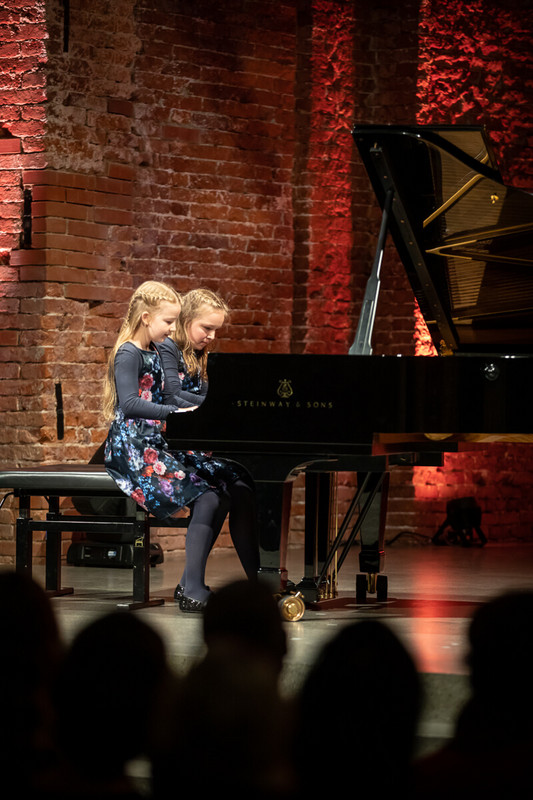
(229, 728)
(245, 615)
(228, 732)
(364, 690)
(501, 662)
(111, 684)
(490, 751)
(32, 652)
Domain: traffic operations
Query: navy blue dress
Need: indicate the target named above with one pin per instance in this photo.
(137, 456)
(183, 389)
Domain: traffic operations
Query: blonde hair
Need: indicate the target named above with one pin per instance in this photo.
(147, 297)
(192, 303)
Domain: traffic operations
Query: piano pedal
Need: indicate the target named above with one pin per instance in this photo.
(291, 605)
(327, 590)
(372, 583)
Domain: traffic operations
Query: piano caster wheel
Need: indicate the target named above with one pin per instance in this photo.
(292, 606)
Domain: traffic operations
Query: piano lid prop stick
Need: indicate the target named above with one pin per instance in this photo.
(362, 344)
(333, 531)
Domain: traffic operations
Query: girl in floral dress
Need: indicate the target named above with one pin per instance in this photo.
(136, 454)
(184, 357)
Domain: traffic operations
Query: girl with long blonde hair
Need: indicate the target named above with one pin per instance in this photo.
(184, 355)
(136, 454)
(185, 352)
(150, 297)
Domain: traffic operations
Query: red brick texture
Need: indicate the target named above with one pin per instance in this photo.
(476, 68)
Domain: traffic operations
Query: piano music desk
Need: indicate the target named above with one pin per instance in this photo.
(76, 480)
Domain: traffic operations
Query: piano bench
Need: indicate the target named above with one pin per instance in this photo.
(78, 481)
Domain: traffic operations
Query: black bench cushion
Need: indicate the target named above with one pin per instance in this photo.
(59, 479)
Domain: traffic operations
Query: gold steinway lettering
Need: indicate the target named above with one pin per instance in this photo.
(318, 405)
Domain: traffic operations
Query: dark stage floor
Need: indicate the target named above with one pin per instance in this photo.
(432, 594)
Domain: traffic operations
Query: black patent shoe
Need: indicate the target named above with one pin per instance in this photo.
(179, 592)
(191, 606)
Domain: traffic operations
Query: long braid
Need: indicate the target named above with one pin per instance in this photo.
(147, 297)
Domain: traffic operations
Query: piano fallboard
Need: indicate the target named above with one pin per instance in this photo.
(322, 406)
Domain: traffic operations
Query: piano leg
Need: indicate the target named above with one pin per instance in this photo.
(274, 509)
(372, 537)
(369, 508)
(274, 506)
(318, 486)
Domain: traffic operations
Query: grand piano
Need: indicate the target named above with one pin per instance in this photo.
(465, 240)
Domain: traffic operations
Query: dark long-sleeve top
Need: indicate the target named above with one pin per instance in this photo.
(128, 367)
(176, 378)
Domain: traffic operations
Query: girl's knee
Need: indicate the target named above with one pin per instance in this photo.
(210, 503)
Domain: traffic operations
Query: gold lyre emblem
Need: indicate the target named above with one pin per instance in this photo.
(285, 389)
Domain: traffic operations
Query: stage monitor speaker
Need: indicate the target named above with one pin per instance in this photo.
(108, 554)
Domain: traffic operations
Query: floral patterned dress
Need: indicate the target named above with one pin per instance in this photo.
(138, 458)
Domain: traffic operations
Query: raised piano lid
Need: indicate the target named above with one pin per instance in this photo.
(465, 238)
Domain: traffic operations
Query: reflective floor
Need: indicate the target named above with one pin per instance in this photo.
(432, 594)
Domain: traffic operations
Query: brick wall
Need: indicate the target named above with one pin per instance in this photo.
(210, 143)
(22, 120)
(213, 109)
(169, 149)
(476, 68)
(357, 64)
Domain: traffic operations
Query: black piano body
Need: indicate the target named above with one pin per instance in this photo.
(466, 242)
(279, 415)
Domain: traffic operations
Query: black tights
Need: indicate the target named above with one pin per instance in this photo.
(207, 517)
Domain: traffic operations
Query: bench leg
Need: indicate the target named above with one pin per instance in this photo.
(24, 537)
(53, 555)
(141, 565)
